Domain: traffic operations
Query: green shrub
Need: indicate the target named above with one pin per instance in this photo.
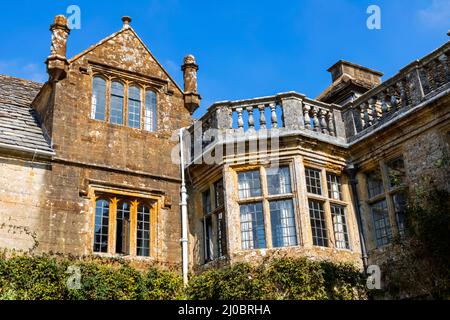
(45, 278)
(283, 278)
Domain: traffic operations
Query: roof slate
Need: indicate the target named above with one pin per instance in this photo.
(19, 125)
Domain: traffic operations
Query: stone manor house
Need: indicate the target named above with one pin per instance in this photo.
(86, 159)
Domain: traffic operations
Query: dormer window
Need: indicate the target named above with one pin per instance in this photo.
(122, 103)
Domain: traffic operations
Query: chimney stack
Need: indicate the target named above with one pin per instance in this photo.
(57, 61)
(191, 96)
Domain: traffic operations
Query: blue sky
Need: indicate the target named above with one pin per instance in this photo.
(245, 49)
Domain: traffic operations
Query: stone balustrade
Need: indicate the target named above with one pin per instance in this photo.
(285, 113)
(414, 84)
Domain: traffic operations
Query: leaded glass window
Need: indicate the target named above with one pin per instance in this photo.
(340, 226)
(383, 233)
(134, 107)
(116, 110)
(249, 184)
(123, 228)
(98, 110)
(101, 226)
(318, 223)
(150, 118)
(278, 180)
(143, 231)
(334, 186)
(252, 226)
(283, 223)
(313, 183)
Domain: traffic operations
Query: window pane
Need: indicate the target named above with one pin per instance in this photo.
(207, 230)
(278, 180)
(123, 228)
(383, 233)
(249, 184)
(313, 183)
(206, 201)
(219, 195)
(318, 224)
(399, 199)
(340, 227)
(374, 183)
(396, 172)
(150, 111)
(143, 231)
(101, 226)
(334, 187)
(134, 107)
(252, 226)
(283, 223)
(221, 234)
(98, 98)
(116, 112)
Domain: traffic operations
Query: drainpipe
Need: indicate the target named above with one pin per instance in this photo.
(184, 214)
(351, 170)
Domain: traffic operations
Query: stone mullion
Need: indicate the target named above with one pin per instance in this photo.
(304, 220)
(327, 209)
(125, 103)
(93, 212)
(108, 100)
(154, 214)
(133, 227)
(266, 207)
(112, 225)
(350, 215)
(366, 214)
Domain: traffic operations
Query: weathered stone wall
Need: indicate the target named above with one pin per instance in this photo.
(49, 206)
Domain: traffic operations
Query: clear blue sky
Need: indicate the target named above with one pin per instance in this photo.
(244, 48)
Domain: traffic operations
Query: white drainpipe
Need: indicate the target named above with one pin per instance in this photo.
(184, 214)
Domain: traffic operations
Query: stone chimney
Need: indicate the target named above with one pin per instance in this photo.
(191, 96)
(355, 71)
(57, 61)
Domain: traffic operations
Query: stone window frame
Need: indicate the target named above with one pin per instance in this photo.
(114, 197)
(387, 195)
(327, 202)
(217, 216)
(127, 82)
(265, 198)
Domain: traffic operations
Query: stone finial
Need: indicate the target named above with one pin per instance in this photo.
(448, 33)
(189, 59)
(57, 61)
(191, 96)
(126, 21)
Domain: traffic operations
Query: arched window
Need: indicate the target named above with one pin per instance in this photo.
(101, 226)
(150, 111)
(123, 228)
(134, 107)
(143, 231)
(98, 98)
(116, 112)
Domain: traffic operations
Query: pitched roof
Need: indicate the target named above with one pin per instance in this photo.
(115, 34)
(19, 124)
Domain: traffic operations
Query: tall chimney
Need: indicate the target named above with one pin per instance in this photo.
(191, 96)
(57, 61)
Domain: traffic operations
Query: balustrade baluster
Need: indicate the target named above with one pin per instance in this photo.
(315, 119)
(331, 123)
(273, 115)
(240, 118)
(251, 121)
(262, 116)
(373, 110)
(323, 122)
(306, 118)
